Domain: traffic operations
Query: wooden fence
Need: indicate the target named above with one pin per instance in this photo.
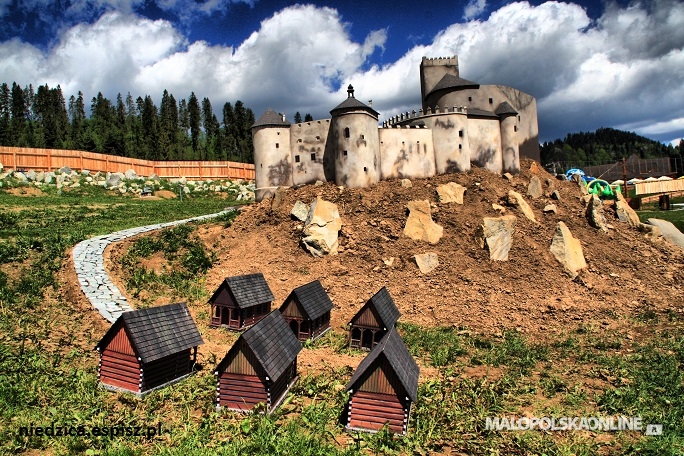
(24, 158)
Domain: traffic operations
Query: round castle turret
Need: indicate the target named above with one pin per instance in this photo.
(508, 118)
(355, 143)
(272, 155)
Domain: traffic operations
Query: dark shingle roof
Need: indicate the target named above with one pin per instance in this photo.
(352, 104)
(313, 298)
(475, 112)
(386, 308)
(449, 81)
(505, 109)
(158, 332)
(271, 118)
(249, 290)
(398, 356)
(273, 343)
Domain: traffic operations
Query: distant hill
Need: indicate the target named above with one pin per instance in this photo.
(605, 145)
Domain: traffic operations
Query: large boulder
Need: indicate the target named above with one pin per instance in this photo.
(300, 211)
(568, 250)
(419, 225)
(668, 231)
(534, 189)
(595, 214)
(31, 175)
(113, 180)
(426, 262)
(498, 236)
(321, 228)
(451, 193)
(625, 213)
(516, 200)
(130, 174)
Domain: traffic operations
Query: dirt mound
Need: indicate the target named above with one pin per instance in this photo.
(626, 274)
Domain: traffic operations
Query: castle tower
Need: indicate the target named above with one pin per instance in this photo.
(272, 154)
(355, 143)
(432, 70)
(450, 138)
(508, 118)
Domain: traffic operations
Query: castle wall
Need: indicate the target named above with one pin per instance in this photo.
(311, 147)
(406, 153)
(525, 104)
(272, 160)
(432, 70)
(356, 154)
(509, 144)
(484, 136)
(451, 143)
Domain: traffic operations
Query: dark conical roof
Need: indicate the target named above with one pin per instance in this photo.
(352, 104)
(449, 81)
(271, 118)
(505, 109)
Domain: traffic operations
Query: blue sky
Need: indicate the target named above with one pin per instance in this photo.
(589, 64)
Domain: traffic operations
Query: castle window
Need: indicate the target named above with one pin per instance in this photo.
(365, 169)
(362, 137)
(313, 156)
(491, 101)
(518, 118)
(296, 158)
(277, 146)
(470, 98)
(460, 146)
(346, 132)
(515, 128)
(345, 153)
(299, 140)
(460, 133)
(278, 133)
(318, 138)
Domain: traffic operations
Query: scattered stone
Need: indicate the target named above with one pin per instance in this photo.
(652, 232)
(426, 262)
(406, 183)
(31, 175)
(75, 185)
(130, 174)
(515, 199)
(321, 228)
(318, 183)
(668, 231)
(535, 168)
(388, 261)
(278, 196)
(550, 208)
(21, 177)
(595, 214)
(534, 189)
(40, 176)
(555, 195)
(499, 208)
(508, 176)
(300, 211)
(65, 170)
(113, 180)
(498, 236)
(49, 177)
(419, 225)
(568, 251)
(625, 213)
(451, 193)
(153, 177)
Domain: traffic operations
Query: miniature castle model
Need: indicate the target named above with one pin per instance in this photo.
(460, 123)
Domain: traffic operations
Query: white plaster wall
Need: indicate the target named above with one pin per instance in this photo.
(452, 151)
(509, 145)
(360, 166)
(307, 140)
(272, 164)
(484, 136)
(406, 153)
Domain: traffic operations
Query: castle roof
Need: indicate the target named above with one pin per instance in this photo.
(352, 104)
(271, 118)
(505, 109)
(449, 81)
(474, 112)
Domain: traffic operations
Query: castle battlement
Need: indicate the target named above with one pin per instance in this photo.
(461, 123)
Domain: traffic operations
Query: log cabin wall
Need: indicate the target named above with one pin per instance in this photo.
(119, 367)
(368, 319)
(166, 369)
(242, 383)
(280, 387)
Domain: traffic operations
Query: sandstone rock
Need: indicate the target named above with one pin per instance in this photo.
(550, 208)
(278, 196)
(65, 170)
(21, 177)
(515, 199)
(153, 177)
(568, 250)
(113, 180)
(406, 183)
(625, 213)
(498, 236)
(419, 225)
(555, 195)
(534, 189)
(130, 174)
(40, 176)
(426, 262)
(388, 261)
(75, 185)
(300, 211)
(49, 177)
(451, 193)
(535, 168)
(595, 214)
(668, 231)
(321, 228)
(499, 208)
(318, 183)
(31, 175)
(508, 176)
(652, 232)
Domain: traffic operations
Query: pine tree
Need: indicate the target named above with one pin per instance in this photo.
(18, 113)
(195, 119)
(308, 117)
(5, 114)
(297, 117)
(150, 129)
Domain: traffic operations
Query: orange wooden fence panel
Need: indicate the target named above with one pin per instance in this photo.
(24, 158)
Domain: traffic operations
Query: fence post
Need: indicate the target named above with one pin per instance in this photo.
(14, 159)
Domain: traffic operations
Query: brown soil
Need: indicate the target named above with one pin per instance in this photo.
(25, 191)
(165, 194)
(626, 274)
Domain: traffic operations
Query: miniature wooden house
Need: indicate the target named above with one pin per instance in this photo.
(383, 387)
(148, 349)
(373, 320)
(307, 311)
(240, 301)
(260, 367)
